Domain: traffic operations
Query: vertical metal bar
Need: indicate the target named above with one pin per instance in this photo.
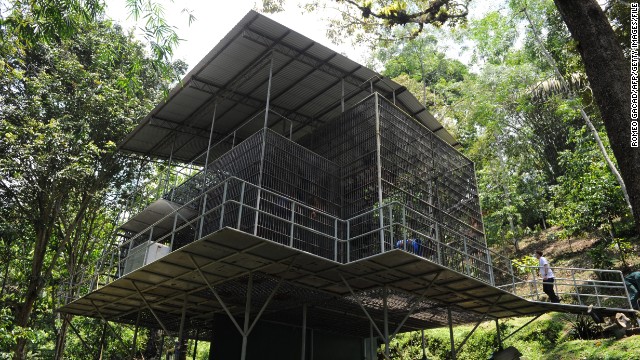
(575, 286)
(348, 241)
(453, 347)
(492, 278)
(173, 232)
(379, 165)
(394, 97)
(135, 337)
(195, 345)
(385, 307)
(498, 335)
(266, 109)
(224, 201)
(513, 276)
(342, 97)
(168, 177)
(304, 331)
(335, 237)
(466, 255)
(241, 204)
(535, 286)
(293, 219)
(391, 223)
(371, 86)
(178, 349)
(247, 313)
(202, 213)
(438, 244)
(595, 288)
(372, 341)
(206, 160)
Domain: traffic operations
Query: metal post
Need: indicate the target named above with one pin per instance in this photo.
(372, 348)
(266, 109)
(247, 313)
(168, 177)
(513, 276)
(342, 98)
(535, 285)
(385, 306)
(173, 232)
(241, 204)
(453, 347)
(391, 223)
(135, 336)
(379, 165)
(466, 255)
(195, 345)
(498, 335)
(178, 349)
(304, 331)
(575, 286)
(293, 218)
(335, 239)
(595, 288)
(213, 121)
(394, 97)
(224, 200)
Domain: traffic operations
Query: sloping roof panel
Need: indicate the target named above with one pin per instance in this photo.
(307, 87)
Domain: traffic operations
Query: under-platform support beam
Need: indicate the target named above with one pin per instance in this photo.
(516, 330)
(484, 316)
(247, 325)
(150, 309)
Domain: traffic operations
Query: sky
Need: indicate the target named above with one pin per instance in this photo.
(215, 18)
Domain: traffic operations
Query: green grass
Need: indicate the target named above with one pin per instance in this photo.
(546, 338)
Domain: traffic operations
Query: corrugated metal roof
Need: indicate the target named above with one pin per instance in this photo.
(307, 84)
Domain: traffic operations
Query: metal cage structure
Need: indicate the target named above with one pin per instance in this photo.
(337, 209)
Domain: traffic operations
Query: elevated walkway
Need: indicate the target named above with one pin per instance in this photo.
(212, 275)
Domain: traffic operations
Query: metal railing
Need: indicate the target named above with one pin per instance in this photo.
(239, 204)
(577, 286)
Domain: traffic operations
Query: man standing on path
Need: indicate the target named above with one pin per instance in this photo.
(547, 278)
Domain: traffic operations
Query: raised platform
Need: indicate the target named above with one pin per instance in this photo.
(416, 289)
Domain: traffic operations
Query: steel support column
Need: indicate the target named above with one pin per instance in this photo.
(247, 313)
(178, 347)
(379, 168)
(135, 336)
(385, 309)
(453, 345)
(304, 331)
(498, 334)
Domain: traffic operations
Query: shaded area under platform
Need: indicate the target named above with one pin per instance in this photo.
(417, 290)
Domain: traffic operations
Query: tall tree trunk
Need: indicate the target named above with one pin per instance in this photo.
(609, 75)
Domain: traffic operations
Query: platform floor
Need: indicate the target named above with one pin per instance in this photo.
(416, 289)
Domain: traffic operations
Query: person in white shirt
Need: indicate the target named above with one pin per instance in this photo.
(547, 278)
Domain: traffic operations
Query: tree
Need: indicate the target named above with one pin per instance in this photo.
(63, 107)
(609, 75)
(602, 54)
